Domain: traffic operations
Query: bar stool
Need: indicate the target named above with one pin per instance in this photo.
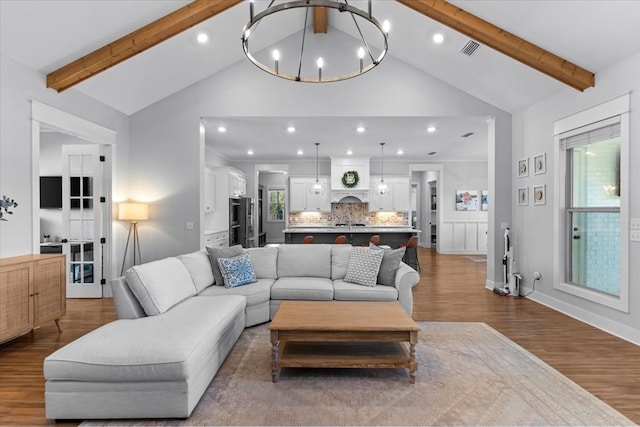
(411, 253)
(307, 239)
(375, 239)
(341, 240)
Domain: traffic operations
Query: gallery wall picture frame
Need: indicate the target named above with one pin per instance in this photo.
(466, 200)
(485, 200)
(523, 196)
(540, 164)
(523, 167)
(539, 194)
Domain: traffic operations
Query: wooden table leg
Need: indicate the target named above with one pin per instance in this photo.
(275, 357)
(413, 366)
(58, 325)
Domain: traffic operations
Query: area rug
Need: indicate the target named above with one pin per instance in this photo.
(468, 374)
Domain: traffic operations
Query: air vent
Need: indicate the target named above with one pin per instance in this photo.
(467, 135)
(431, 153)
(470, 48)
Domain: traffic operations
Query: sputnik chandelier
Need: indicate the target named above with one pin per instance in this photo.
(316, 66)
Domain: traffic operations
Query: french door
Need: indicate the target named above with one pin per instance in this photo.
(82, 217)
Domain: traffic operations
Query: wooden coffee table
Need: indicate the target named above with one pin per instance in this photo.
(343, 334)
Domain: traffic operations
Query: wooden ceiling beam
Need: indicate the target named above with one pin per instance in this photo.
(320, 20)
(136, 42)
(504, 42)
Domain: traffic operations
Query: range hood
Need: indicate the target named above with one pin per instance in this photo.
(350, 199)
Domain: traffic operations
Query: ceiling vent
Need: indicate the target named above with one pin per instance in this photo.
(470, 48)
(467, 135)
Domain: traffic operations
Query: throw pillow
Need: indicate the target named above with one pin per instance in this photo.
(215, 253)
(237, 271)
(199, 268)
(363, 266)
(390, 264)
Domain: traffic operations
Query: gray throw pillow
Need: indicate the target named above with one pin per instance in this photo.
(363, 267)
(215, 253)
(390, 264)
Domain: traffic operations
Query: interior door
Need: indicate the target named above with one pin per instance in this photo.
(82, 219)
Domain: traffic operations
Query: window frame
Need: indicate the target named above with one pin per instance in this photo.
(283, 190)
(572, 125)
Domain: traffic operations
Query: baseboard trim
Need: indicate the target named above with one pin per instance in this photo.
(607, 325)
(455, 252)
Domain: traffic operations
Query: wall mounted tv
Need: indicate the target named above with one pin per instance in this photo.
(51, 192)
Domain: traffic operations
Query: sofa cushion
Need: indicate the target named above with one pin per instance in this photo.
(304, 260)
(255, 293)
(237, 271)
(344, 291)
(161, 284)
(199, 267)
(302, 288)
(340, 261)
(264, 262)
(215, 253)
(168, 347)
(389, 266)
(363, 267)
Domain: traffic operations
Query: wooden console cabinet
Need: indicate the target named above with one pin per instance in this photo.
(32, 292)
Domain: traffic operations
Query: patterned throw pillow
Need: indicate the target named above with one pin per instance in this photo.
(215, 253)
(390, 264)
(363, 267)
(237, 271)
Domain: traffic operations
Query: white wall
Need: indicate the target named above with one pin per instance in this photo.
(20, 85)
(533, 234)
(167, 146)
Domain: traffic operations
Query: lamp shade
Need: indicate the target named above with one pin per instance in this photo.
(133, 211)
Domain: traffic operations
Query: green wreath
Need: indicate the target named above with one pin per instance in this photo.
(350, 179)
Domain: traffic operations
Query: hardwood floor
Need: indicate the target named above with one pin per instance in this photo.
(451, 290)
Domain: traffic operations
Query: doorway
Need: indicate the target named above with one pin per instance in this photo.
(72, 160)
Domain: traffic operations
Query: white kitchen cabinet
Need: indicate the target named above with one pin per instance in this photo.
(237, 184)
(396, 199)
(216, 240)
(302, 198)
(209, 190)
(341, 165)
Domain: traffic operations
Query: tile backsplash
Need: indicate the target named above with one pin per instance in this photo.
(341, 213)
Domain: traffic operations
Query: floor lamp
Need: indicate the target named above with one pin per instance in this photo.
(133, 212)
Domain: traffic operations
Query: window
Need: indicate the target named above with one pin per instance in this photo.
(276, 204)
(592, 232)
(593, 209)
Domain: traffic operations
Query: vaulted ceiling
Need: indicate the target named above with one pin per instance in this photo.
(46, 35)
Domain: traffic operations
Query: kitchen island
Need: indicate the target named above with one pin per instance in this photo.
(390, 235)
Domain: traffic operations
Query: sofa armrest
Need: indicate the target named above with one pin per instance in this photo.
(406, 278)
(127, 305)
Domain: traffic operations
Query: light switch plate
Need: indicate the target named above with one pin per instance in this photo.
(635, 223)
(635, 235)
(189, 226)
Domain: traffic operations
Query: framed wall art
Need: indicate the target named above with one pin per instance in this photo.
(523, 167)
(539, 194)
(485, 200)
(466, 200)
(540, 164)
(523, 196)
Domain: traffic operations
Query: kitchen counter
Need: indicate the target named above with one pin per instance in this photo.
(391, 235)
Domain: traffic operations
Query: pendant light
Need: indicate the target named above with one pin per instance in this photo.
(317, 188)
(382, 187)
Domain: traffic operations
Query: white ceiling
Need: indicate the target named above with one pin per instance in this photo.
(594, 34)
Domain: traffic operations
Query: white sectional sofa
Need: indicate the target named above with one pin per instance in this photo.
(176, 326)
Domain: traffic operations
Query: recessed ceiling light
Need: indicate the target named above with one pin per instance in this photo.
(202, 38)
(438, 38)
(222, 129)
(291, 129)
(360, 129)
(349, 152)
(250, 152)
(300, 152)
(400, 152)
(431, 129)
